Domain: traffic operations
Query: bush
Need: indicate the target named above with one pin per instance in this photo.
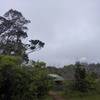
(19, 82)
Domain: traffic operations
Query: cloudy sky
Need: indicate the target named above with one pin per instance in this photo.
(69, 28)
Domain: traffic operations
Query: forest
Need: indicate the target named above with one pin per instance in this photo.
(21, 80)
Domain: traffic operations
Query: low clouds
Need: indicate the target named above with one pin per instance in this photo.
(70, 28)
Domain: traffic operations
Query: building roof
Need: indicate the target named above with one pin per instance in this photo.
(56, 77)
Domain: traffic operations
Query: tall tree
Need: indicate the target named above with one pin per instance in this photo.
(81, 83)
(13, 31)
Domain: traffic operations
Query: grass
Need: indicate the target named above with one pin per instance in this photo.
(82, 96)
(75, 95)
(92, 97)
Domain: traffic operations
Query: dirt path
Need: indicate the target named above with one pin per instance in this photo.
(55, 95)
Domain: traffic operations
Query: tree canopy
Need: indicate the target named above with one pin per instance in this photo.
(13, 31)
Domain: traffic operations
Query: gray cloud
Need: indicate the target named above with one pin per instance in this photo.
(70, 28)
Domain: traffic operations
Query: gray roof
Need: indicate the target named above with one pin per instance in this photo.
(56, 77)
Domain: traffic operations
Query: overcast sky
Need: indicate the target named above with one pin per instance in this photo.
(69, 28)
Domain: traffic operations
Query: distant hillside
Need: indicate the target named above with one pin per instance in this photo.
(68, 71)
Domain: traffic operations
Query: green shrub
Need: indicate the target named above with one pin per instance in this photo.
(19, 82)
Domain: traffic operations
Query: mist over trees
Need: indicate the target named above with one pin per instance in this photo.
(68, 71)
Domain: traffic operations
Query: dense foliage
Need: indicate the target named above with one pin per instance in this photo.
(22, 82)
(79, 77)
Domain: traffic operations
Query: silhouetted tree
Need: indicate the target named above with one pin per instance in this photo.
(13, 31)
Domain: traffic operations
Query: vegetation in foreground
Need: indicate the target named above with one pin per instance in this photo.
(22, 82)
